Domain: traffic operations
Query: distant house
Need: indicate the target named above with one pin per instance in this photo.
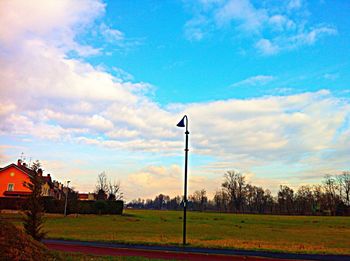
(86, 196)
(13, 177)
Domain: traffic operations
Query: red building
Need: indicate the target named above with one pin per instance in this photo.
(13, 177)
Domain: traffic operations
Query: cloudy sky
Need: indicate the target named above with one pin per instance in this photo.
(91, 86)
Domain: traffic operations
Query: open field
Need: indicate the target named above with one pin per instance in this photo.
(302, 234)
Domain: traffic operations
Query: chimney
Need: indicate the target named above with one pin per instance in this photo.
(40, 172)
(24, 164)
(19, 162)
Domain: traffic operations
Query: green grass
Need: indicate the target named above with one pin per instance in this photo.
(302, 234)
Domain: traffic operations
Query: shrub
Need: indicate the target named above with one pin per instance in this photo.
(16, 245)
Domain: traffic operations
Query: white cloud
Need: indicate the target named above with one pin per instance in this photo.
(281, 23)
(294, 41)
(266, 47)
(56, 21)
(255, 81)
(194, 28)
(310, 37)
(273, 27)
(123, 75)
(294, 4)
(111, 35)
(244, 12)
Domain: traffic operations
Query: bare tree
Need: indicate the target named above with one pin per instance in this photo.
(286, 199)
(199, 199)
(234, 185)
(221, 200)
(102, 186)
(304, 200)
(344, 186)
(330, 188)
(114, 191)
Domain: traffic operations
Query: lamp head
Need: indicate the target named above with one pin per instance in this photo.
(181, 124)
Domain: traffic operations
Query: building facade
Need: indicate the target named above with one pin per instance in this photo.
(14, 176)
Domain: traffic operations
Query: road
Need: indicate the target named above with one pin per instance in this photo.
(180, 253)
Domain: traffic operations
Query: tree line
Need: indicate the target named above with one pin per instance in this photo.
(331, 197)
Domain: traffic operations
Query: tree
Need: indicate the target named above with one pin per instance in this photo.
(344, 185)
(269, 202)
(221, 200)
(199, 199)
(330, 188)
(114, 191)
(160, 201)
(304, 200)
(33, 220)
(286, 199)
(234, 185)
(102, 186)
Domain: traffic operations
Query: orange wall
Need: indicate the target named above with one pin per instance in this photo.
(15, 176)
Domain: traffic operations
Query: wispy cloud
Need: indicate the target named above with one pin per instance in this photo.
(254, 81)
(331, 76)
(271, 28)
(110, 34)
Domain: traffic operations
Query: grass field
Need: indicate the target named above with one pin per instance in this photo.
(302, 234)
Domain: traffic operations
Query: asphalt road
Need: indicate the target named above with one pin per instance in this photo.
(180, 253)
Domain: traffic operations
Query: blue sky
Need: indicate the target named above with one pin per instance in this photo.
(96, 86)
(167, 57)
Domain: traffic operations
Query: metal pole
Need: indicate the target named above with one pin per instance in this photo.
(65, 205)
(185, 185)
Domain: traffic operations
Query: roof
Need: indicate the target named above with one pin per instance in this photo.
(29, 172)
(22, 168)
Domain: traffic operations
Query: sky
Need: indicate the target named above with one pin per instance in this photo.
(91, 86)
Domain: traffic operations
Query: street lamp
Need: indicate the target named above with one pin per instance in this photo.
(65, 205)
(182, 124)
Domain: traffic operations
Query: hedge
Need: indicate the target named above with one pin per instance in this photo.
(84, 206)
(13, 203)
(51, 205)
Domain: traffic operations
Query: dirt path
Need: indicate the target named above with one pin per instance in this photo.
(172, 252)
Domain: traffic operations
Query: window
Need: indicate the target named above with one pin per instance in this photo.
(10, 187)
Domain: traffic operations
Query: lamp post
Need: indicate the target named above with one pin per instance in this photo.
(184, 123)
(65, 205)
